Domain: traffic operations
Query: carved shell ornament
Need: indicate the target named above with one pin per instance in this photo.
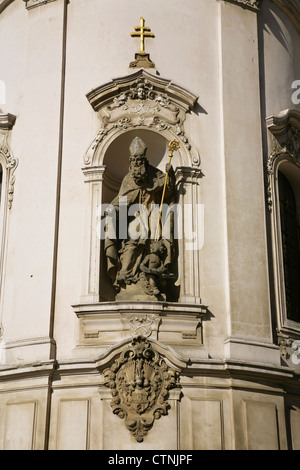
(140, 105)
(139, 381)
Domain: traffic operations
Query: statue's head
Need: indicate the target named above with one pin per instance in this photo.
(138, 161)
(158, 247)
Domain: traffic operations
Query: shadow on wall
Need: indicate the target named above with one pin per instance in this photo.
(271, 22)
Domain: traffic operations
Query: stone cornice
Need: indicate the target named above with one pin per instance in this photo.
(253, 5)
(7, 121)
(278, 125)
(35, 3)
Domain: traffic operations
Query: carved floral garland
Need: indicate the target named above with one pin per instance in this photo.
(141, 105)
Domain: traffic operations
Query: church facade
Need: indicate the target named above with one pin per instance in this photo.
(184, 335)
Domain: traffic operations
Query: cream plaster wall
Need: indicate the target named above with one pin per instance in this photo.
(103, 54)
(232, 393)
(248, 284)
(32, 72)
(280, 59)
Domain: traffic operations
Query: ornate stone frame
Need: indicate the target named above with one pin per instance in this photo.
(162, 110)
(9, 164)
(285, 147)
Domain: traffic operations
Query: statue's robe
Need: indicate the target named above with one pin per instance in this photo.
(124, 256)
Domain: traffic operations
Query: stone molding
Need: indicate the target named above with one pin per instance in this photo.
(29, 4)
(137, 100)
(249, 4)
(7, 121)
(176, 325)
(284, 148)
(44, 347)
(8, 161)
(8, 164)
(226, 368)
(285, 130)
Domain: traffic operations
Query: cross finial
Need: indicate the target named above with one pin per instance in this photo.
(141, 31)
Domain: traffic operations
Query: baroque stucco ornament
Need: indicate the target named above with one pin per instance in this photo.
(7, 160)
(251, 4)
(11, 165)
(285, 144)
(140, 100)
(139, 381)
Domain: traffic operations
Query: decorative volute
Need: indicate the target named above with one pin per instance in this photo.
(139, 100)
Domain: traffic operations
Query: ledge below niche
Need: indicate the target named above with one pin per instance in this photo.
(178, 325)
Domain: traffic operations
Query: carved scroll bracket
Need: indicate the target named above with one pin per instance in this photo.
(7, 160)
(285, 143)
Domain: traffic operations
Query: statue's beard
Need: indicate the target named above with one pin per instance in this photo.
(139, 174)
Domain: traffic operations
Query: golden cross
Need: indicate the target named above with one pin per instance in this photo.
(142, 34)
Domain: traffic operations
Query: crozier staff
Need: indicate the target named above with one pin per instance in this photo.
(143, 184)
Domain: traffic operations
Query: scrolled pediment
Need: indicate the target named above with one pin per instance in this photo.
(285, 144)
(140, 100)
(154, 86)
(285, 130)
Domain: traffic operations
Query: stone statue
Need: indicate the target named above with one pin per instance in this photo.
(138, 261)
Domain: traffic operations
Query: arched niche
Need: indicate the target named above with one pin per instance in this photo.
(116, 157)
(154, 109)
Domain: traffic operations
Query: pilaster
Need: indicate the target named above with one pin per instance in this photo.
(28, 300)
(249, 317)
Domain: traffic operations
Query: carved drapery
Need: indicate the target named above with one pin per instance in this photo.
(285, 150)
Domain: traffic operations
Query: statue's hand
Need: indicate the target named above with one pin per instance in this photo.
(110, 212)
(144, 268)
(168, 167)
(162, 269)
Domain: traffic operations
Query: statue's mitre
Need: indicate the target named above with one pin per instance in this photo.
(137, 146)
